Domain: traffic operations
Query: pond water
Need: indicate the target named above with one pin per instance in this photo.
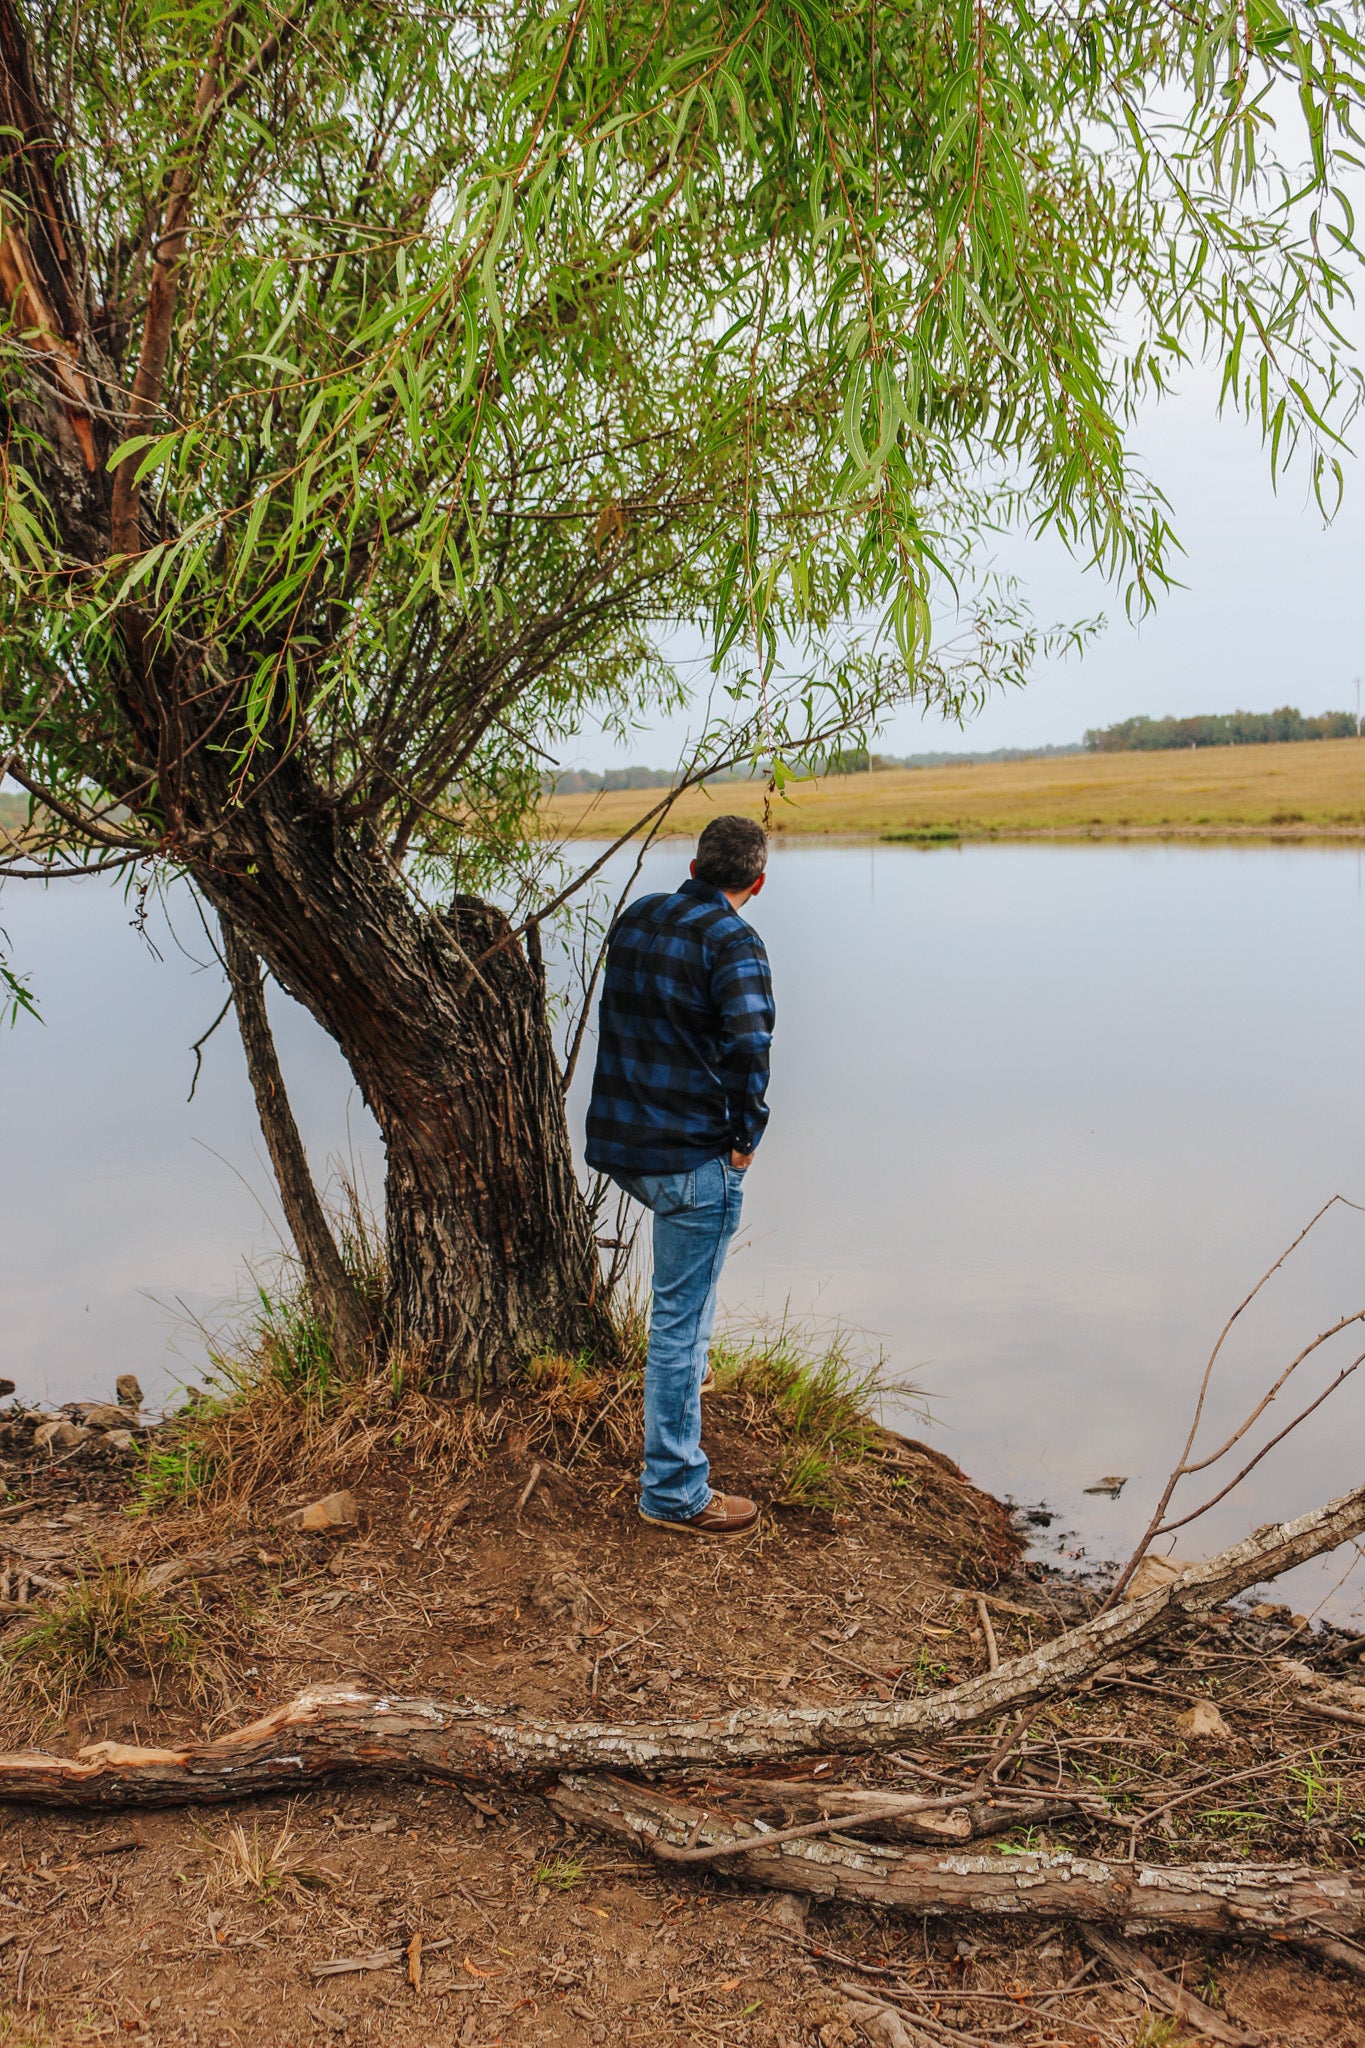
(1041, 1117)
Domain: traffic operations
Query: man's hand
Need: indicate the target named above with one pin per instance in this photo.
(739, 1160)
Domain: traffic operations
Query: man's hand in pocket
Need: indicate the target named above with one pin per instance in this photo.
(739, 1160)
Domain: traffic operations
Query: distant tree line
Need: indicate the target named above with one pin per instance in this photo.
(848, 761)
(583, 781)
(1219, 729)
(1131, 735)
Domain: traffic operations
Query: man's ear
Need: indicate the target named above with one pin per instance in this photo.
(757, 888)
(692, 870)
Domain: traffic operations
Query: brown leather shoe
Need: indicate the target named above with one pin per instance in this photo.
(725, 1514)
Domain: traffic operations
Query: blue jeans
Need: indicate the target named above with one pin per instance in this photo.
(695, 1215)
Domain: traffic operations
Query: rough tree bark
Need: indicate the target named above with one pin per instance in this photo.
(1201, 1897)
(490, 1242)
(334, 1295)
(333, 1729)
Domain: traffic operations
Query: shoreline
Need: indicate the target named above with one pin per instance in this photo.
(1288, 792)
(1193, 835)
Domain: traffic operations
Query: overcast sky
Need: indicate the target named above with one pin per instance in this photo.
(1273, 611)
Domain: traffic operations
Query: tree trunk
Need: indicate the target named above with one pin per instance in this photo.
(442, 1019)
(334, 1295)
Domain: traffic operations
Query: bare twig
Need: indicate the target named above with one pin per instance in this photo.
(1183, 1466)
(992, 1648)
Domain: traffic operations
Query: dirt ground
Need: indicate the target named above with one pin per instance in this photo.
(416, 1913)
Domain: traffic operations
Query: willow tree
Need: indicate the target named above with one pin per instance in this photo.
(382, 384)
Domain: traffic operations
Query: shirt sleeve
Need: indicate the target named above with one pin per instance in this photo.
(742, 990)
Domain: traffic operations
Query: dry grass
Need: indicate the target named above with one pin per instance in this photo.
(1310, 788)
(26, 2030)
(284, 1411)
(284, 1420)
(244, 1864)
(270, 1427)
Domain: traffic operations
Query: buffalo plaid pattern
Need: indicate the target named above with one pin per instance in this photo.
(684, 1031)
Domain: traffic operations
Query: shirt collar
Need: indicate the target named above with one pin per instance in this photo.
(707, 890)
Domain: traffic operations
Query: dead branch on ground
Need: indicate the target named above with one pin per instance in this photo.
(335, 1729)
(1204, 1898)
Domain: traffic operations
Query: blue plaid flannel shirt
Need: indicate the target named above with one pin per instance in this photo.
(684, 1028)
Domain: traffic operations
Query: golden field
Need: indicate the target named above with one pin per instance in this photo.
(1303, 789)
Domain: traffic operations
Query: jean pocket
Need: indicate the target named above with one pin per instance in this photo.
(668, 1194)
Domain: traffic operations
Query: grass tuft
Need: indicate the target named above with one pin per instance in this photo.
(821, 1407)
(106, 1627)
(243, 1864)
(560, 1873)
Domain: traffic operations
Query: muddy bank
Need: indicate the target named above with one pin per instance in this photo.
(417, 1913)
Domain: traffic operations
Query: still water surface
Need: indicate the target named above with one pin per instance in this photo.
(1041, 1116)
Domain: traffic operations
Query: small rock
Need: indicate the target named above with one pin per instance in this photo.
(333, 1511)
(119, 1439)
(6, 1387)
(1154, 1573)
(1203, 1723)
(59, 1436)
(128, 1391)
(104, 1415)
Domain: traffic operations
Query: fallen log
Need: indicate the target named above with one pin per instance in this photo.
(338, 1728)
(1204, 1898)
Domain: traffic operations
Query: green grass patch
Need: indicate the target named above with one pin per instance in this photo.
(820, 1406)
(108, 1626)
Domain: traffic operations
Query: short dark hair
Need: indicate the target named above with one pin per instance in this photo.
(732, 853)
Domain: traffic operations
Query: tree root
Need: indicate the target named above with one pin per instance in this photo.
(339, 1729)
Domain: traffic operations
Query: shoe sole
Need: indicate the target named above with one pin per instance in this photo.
(691, 1528)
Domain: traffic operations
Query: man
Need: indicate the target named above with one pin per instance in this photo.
(678, 1107)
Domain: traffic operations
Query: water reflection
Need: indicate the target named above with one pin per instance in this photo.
(1041, 1115)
